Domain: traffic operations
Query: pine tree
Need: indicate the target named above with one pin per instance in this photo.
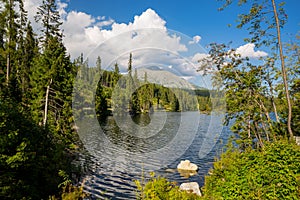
(98, 64)
(116, 74)
(52, 77)
(30, 155)
(10, 31)
(146, 77)
(26, 51)
(31, 51)
(101, 101)
(129, 85)
(129, 69)
(2, 51)
(49, 17)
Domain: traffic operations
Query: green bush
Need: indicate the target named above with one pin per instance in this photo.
(159, 188)
(269, 173)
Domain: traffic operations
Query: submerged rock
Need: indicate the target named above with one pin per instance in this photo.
(186, 173)
(297, 139)
(171, 170)
(187, 165)
(192, 187)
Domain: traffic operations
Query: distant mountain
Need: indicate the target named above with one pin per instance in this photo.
(196, 87)
(165, 78)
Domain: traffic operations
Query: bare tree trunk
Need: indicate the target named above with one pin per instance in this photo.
(7, 67)
(283, 71)
(272, 99)
(8, 44)
(46, 104)
(275, 109)
(249, 127)
(258, 135)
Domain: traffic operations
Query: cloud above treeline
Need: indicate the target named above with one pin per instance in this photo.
(146, 36)
(84, 32)
(247, 50)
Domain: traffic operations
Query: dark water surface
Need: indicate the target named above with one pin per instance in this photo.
(123, 148)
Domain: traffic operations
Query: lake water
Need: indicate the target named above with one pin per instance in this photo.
(124, 148)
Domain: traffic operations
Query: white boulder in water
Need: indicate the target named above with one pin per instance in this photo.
(187, 165)
(192, 187)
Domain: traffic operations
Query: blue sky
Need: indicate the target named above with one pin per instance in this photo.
(191, 17)
(108, 28)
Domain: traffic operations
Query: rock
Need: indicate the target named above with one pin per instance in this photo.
(187, 165)
(297, 139)
(74, 127)
(192, 187)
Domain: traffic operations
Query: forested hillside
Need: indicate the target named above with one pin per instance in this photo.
(130, 94)
(37, 142)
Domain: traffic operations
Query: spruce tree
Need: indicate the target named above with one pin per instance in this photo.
(129, 69)
(9, 30)
(49, 17)
(26, 51)
(98, 64)
(52, 76)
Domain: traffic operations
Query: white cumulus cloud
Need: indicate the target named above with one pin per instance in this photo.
(104, 22)
(32, 7)
(198, 56)
(61, 8)
(145, 36)
(196, 39)
(83, 33)
(247, 50)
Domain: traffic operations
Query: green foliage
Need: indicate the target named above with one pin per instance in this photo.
(248, 99)
(49, 17)
(31, 154)
(269, 173)
(69, 191)
(205, 104)
(28, 156)
(293, 64)
(53, 68)
(101, 105)
(135, 96)
(296, 107)
(159, 188)
(126, 94)
(264, 20)
(72, 192)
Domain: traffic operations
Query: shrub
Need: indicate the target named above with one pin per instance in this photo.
(159, 188)
(272, 172)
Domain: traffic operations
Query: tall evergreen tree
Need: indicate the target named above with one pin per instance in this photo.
(27, 49)
(52, 76)
(31, 155)
(145, 77)
(2, 50)
(31, 51)
(130, 87)
(10, 32)
(116, 74)
(98, 63)
(49, 17)
(129, 69)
